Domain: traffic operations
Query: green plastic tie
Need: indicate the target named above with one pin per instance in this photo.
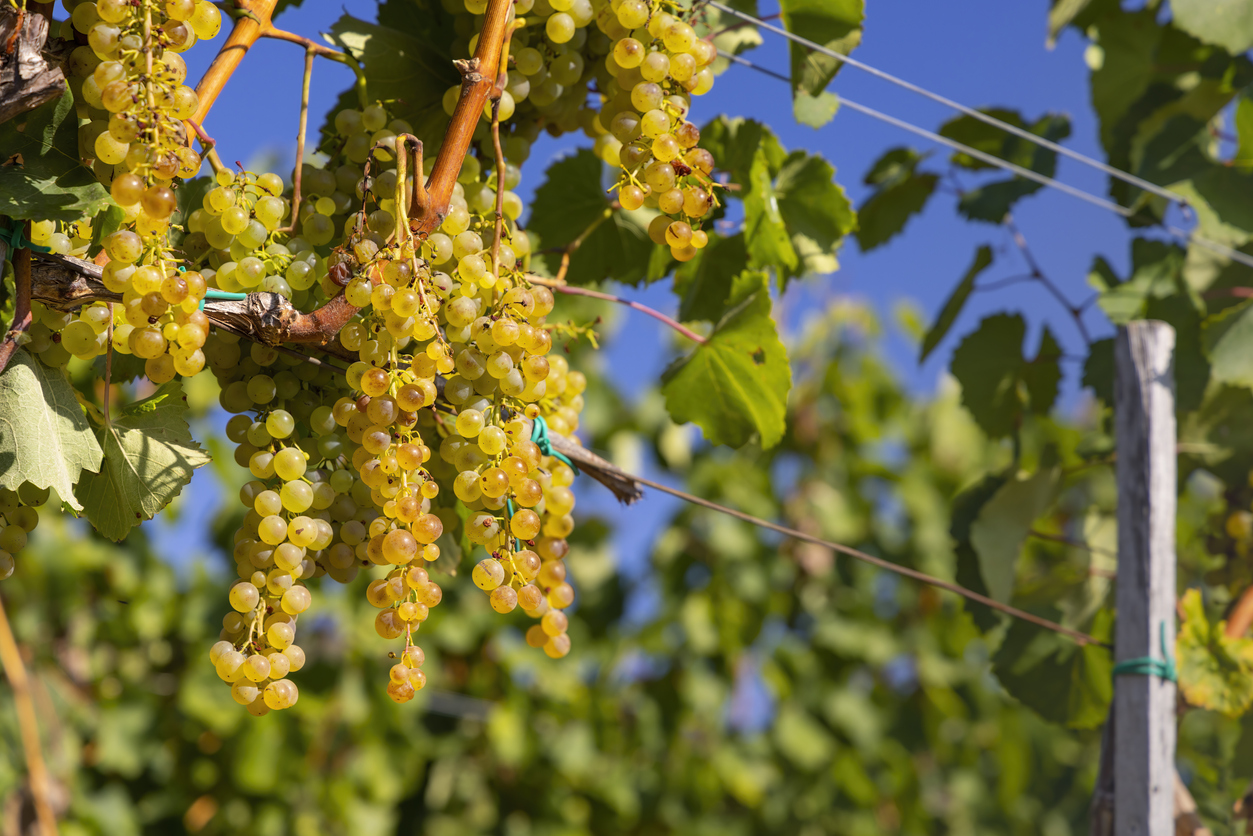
(221, 296)
(539, 435)
(15, 237)
(1163, 668)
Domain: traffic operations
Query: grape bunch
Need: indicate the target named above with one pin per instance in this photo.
(301, 521)
(656, 60)
(18, 517)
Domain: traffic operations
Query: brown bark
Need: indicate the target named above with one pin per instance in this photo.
(30, 74)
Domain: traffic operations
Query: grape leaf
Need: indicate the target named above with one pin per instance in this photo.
(1003, 524)
(569, 204)
(408, 64)
(41, 176)
(703, 283)
(990, 201)
(1225, 23)
(1059, 680)
(956, 301)
(149, 456)
(795, 215)
(764, 231)
(44, 436)
(835, 24)
(966, 507)
(1215, 671)
(736, 384)
(902, 193)
(815, 210)
(998, 384)
(1228, 334)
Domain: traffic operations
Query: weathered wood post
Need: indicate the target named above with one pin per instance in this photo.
(1144, 705)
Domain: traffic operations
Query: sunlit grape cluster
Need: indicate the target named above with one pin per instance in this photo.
(656, 63)
(18, 518)
(302, 520)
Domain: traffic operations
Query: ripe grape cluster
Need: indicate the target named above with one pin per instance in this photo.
(441, 420)
(18, 518)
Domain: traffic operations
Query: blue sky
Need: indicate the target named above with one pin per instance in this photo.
(979, 52)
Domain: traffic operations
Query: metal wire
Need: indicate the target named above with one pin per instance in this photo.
(958, 106)
(1179, 234)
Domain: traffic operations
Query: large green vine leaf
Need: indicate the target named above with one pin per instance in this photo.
(955, 302)
(149, 456)
(1060, 681)
(407, 61)
(902, 193)
(571, 204)
(1225, 23)
(704, 283)
(41, 176)
(1003, 525)
(44, 436)
(795, 214)
(736, 384)
(835, 24)
(991, 201)
(1215, 671)
(999, 385)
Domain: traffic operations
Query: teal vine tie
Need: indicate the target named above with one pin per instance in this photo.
(1163, 668)
(15, 237)
(539, 435)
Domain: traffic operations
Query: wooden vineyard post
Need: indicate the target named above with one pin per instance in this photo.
(1144, 705)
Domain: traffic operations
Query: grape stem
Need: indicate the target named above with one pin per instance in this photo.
(15, 671)
(21, 305)
(502, 77)
(561, 287)
(300, 139)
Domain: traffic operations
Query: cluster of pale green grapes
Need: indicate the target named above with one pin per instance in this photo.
(304, 518)
(333, 194)
(656, 63)
(18, 518)
(130, 79)
(73, 239)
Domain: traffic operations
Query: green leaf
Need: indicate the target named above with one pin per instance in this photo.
(815, 210)
(1225, 23)
(703, 283)
(955, 302)
(408, 63)
(991, 201)
(1059, 680)
(764, 231)
(795, 215)
(570, 204)
(815, 111)
(998, 383)
(44, 436)
(966, 508)
(902, 193)
(1098, 370)
(1060, 16)
(1229, 337)
(736, 384)
(107, 221)
(1243, 124)
(835, 24)
(41, 176)
(1215, 671)
(1156, 272)
(1003, 525)
(149, 456)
